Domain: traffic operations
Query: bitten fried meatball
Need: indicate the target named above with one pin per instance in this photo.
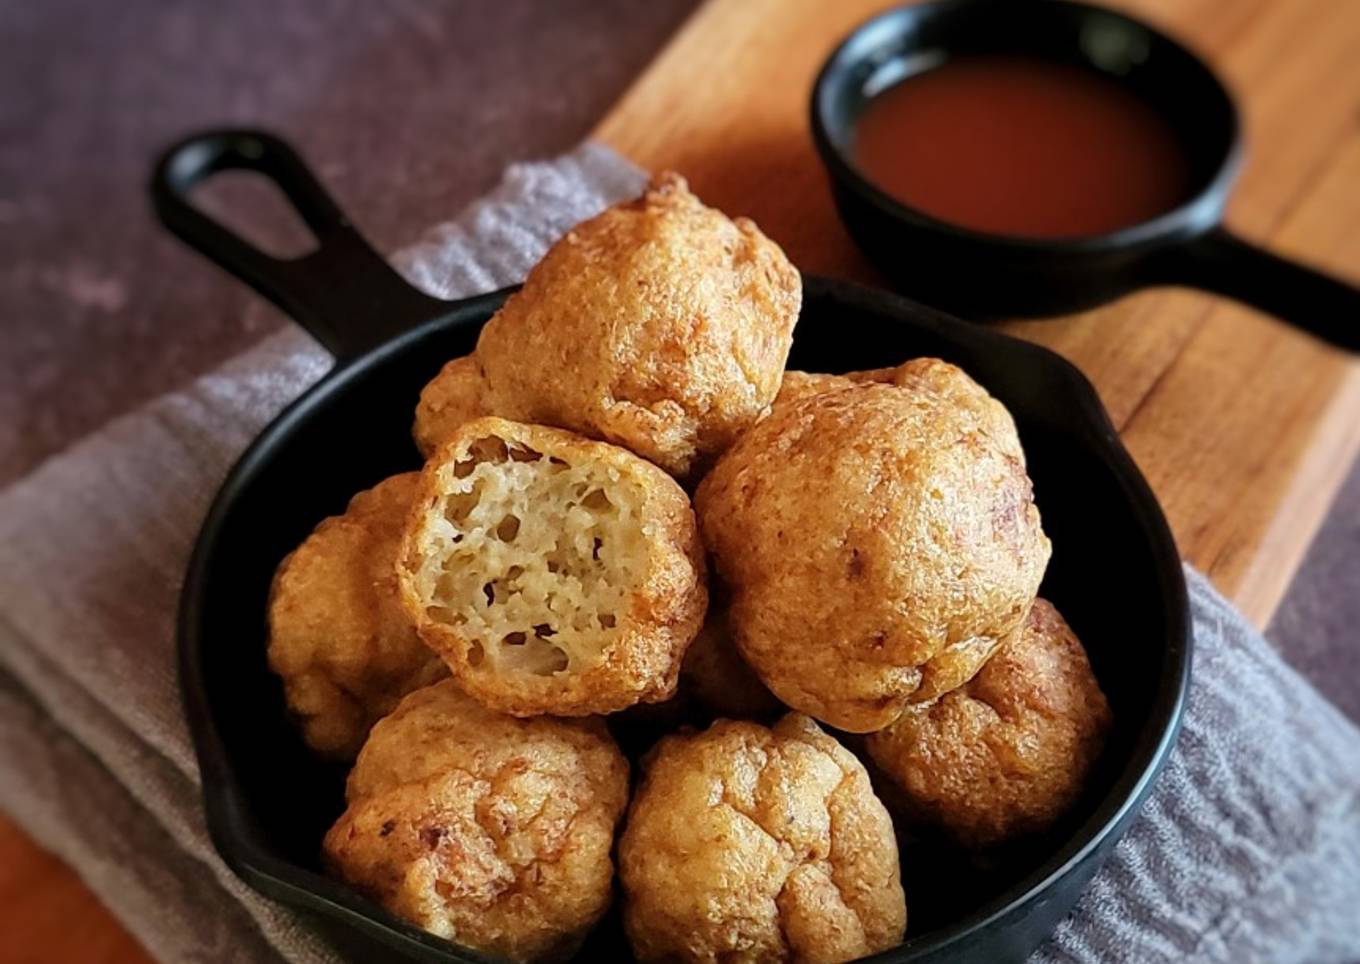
(878, 544)
(453, 397)
(660, 325)
(1006, 753)
(490, 831)
(748, 844)
(338, 634)
(553, 574)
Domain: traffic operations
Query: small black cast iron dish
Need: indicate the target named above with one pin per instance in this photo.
(983, 276)
(1115, 572)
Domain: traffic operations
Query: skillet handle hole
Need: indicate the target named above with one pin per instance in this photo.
(252, 206)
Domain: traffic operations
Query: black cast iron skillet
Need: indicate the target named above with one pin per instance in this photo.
(984, 275)
(1115, 571)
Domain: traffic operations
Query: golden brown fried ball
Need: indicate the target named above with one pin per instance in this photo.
(797, 386)
(878, 543)
(553, 574)
(953, 386)
(922, 375)
(715, 674)
(453, 397)
(660, 325)
(748, 844)
(338, 634)
(1006, 753)
(491, 831)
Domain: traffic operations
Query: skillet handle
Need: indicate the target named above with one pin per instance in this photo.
(343, 292)
(1221, 262)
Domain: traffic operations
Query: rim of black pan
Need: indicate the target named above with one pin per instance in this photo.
(231, 824)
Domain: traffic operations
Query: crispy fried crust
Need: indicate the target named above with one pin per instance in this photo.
(1008, 752)
(453, 397)
(660, 325)
(338, 634)
(953, 386)
(878, 543)
(797, 386)
(554, 574)
(926, 375)
(748, 844)
(715, 674)
(491, 831)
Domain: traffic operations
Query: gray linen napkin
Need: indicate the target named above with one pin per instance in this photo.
(1249, 850)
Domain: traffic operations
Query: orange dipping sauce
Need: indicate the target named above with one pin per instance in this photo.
(1020, 146)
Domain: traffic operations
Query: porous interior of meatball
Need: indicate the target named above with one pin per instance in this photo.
(530, 557)
(749, 844)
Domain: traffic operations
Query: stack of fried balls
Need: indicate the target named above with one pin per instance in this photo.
(627, 500)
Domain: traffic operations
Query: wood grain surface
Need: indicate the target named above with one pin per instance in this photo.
(1244, 427)
(49, 915)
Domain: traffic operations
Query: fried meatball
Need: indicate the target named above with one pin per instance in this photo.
(553, 574)
(878, 544)
(953, 386)
(747, 844)
(1006, 753)
(490, 831)
(930, 375)
(715, 675)
(338, 634)
(797, 386)
(453, 397)
(660, 325)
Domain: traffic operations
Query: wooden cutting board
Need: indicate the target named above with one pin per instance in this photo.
(1244, 427)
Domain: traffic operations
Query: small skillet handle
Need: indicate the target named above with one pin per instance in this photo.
(343, 292)
(1221, 262)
